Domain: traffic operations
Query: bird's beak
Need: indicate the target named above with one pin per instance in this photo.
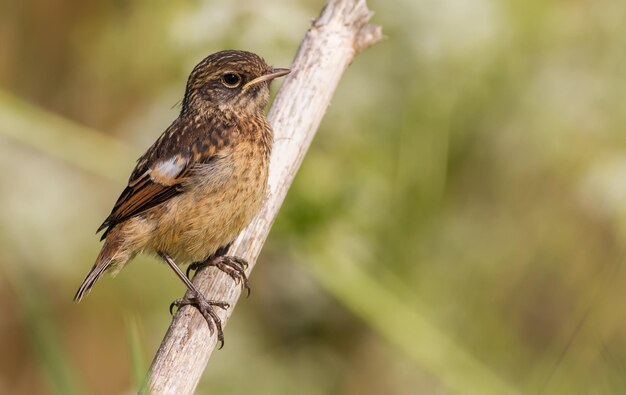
(275, 73)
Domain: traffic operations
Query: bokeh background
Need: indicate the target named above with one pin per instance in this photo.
(458, 225)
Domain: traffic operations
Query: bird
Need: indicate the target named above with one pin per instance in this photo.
(202, 181)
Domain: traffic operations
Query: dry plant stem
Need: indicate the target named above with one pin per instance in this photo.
(330, 45)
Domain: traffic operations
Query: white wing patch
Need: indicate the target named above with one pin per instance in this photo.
(165, 172)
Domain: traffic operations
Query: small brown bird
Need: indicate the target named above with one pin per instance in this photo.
(201, 183)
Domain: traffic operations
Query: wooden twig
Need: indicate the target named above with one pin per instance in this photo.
(330, 45)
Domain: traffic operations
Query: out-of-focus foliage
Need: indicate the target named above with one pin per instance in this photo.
(457, 227)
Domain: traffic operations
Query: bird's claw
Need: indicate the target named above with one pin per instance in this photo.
(234, 266)
(205, 307)
(194, 266)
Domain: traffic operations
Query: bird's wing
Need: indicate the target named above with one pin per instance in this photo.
(161, 173)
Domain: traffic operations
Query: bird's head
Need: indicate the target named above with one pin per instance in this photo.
(236, 81)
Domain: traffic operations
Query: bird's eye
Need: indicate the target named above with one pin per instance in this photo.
(231, 80)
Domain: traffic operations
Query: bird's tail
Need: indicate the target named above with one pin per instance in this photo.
(108, 256)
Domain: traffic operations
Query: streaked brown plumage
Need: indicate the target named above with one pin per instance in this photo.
(202, 181)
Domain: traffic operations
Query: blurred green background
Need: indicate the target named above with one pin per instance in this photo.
(458, 225)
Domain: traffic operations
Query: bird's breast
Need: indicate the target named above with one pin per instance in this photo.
(216, 206)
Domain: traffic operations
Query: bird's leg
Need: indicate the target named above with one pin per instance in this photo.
(234, 266)
(204, 306)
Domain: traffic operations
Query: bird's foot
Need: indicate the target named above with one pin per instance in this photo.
(205, 307)
(234, 266)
